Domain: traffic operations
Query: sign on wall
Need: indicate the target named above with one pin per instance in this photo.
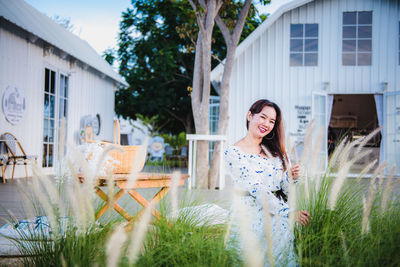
(303, 118)
(14, 104)
(90, 121)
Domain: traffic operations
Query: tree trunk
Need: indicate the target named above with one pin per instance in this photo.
(201, 87)
(232, 41)
(223, 116)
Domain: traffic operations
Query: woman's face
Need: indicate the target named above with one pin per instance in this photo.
(261, 124)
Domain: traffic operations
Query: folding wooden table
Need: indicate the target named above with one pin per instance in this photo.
(144, 180)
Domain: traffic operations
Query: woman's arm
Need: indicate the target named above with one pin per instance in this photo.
(285, 182)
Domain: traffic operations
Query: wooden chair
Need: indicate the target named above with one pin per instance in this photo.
(3, 161)
(16, 154)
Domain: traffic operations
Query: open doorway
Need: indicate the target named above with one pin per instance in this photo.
(355, 116)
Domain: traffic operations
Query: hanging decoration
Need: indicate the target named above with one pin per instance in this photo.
(13, 104)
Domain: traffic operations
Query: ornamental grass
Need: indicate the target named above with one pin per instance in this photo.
(355, 221)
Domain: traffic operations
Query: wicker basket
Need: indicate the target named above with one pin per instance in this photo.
(126, 159)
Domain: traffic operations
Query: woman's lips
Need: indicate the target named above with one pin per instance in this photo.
(262, 129)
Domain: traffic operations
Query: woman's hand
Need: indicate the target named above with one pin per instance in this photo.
(303, 217)
(295, 170)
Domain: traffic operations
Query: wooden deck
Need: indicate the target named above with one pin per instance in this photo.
(12, 194)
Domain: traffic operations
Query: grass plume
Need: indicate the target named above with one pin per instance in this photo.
(252, 252)
(139, 233)
(268, 232)
(114, 245)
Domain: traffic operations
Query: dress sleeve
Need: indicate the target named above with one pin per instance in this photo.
(285, 182)
(243, 178)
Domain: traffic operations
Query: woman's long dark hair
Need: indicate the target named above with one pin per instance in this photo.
(274, 141)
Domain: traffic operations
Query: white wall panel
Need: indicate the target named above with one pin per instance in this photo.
(290, 86)
(22, 64)
(396, 71)
(14, 72)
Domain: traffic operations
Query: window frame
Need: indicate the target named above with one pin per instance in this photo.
(304, 38)
(357, 39)
(49, 119)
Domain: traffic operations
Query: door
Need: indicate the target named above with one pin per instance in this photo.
(391, 129)
(56, 87)
(320, 117)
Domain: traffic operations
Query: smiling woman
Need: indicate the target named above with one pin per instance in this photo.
(259, 167)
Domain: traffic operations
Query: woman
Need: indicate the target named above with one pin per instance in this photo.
(259, 167)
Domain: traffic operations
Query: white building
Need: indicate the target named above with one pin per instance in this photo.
(47, 73)
(336, 61)
(133, 132)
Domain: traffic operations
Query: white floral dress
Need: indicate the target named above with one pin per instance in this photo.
(256, 178)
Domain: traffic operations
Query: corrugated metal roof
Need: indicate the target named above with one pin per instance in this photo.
(31, 20)
(217, 71)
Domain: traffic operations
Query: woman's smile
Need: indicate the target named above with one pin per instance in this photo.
(263, 129)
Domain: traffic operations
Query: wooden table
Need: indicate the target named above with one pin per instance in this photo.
(144, 180)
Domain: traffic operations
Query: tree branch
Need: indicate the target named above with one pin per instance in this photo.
(217, 58)
(162, 126)
(193, 5)
(168, 82)
(225, 31)
(200, 22)
(184, 76)
(199, 18)
(197, 74)
(191, 39)
(203, 5)
(219, 5)
(174, 115)
(207, 43)
(240, 24)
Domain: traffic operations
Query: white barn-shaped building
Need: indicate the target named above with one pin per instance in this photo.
(337, 61)
(47, 73)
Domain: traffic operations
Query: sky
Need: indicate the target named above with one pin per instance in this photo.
(97, 21)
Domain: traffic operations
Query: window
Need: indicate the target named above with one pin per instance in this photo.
(303, 44)
(213, 114)
(357, 38)
(213, 121)
(63, 105)
(53, 112)
(49, 117)
(124, 140)
(399, 43)
(63, 98)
